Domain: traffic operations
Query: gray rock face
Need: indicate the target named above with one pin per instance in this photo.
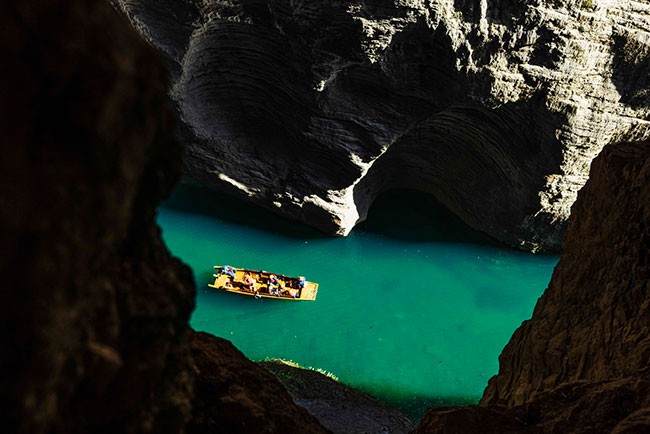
(495, 107)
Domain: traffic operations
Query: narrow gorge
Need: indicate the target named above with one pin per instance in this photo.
(495, 107)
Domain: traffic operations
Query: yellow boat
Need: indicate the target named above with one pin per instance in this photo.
(259, 284)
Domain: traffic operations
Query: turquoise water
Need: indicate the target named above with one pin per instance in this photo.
(413, 307)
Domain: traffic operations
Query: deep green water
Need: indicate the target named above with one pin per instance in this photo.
(414, 307)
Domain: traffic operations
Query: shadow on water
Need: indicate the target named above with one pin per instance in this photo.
(406, 215)
(412, 216)
(414, 405)
(199, 200)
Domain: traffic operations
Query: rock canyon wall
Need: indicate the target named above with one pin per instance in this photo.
(94, 310)
(495, 107)
(593, 322)
(581, 364)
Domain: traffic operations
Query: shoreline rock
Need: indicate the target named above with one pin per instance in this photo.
(236, 395)
(340, 408)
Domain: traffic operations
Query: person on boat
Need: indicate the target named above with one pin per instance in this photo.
(229, 271)
(301, 282)
(250, 282)
(273, 284)
(283, 289)
(293, 292)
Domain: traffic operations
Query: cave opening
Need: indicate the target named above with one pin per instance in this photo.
(412, 215)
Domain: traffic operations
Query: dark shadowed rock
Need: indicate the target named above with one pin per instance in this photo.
(234, 395)
(593, 322)
(93, 309)
(473, 420)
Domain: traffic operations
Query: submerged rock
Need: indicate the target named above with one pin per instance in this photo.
(496, 108)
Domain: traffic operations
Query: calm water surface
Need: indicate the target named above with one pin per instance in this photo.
(414, 307)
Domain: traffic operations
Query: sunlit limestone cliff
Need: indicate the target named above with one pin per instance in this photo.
(495, 107)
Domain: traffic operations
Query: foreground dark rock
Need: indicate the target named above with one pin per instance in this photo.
(235, 395)
(94, 311)
(313, 109)
(582, 363)
(338, 407)
(593, 322)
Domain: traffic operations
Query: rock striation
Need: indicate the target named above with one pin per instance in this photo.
(314, 108)
(581, 364)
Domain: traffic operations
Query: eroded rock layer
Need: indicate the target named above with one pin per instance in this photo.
(581, 364)
(313, 108)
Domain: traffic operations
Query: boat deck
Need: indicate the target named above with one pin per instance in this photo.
(290, 285)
